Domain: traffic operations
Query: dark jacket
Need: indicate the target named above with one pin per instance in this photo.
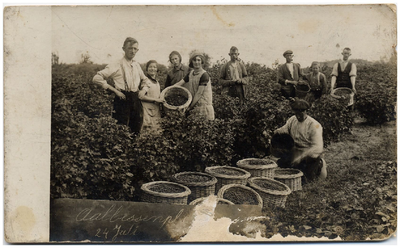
(232, 89)
(284, 74)
(176, 75)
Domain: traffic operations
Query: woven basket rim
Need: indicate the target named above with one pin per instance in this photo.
(145, 187)
(271, 164)
(228, 186)
(207, 183)
(343, 88)
(209, 170)
(252, 184)
(198, 200)
(299, 173)
(168, 106)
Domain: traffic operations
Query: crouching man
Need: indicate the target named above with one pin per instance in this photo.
(307, 145)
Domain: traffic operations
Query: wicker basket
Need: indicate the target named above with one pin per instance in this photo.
(176, 91)
(290, 177)
(302, 90)
(198, 189)
(338, 93)
(273, 193)
(225, 179)
(258, 167)
(150, 195)
(220, 201)
(223, 191)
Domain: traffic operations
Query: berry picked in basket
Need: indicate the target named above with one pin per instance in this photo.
(228, 175)
(165, 192)
(176, 98)
(258, 167)
(273, 193)
(240, 195)
(200, 184)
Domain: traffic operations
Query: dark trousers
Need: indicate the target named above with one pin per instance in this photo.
(311, 167)
(129, 111)
(288, 91)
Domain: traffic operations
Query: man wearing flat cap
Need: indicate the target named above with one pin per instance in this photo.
(308, 143)
(289, 75)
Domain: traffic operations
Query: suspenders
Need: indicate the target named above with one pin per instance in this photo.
(124, 76)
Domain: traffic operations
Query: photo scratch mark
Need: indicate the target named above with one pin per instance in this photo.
(220, 19)
(73, 31)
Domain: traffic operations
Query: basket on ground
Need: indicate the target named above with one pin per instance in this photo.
(228, 175)
(200, 184)
(258, 167)
(272, 192)
(177, 99)
(302, 90)
(165, 192)
(220, 201)
(344, 93)
(290, 177)
(240, 195)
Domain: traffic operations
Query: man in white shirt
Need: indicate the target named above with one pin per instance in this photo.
(128, 77)
(344, 73)
(308, 142)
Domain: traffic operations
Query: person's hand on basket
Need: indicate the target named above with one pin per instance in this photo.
(159, 100)
(354, 91)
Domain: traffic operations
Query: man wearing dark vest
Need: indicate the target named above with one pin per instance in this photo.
(289, 75)
(344, 73)
(127, 76)
(233, 76)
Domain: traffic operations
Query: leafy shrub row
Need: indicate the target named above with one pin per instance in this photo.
(93, 157)
(333, 115)
(377, 93)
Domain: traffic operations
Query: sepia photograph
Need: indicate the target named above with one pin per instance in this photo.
(174, 124)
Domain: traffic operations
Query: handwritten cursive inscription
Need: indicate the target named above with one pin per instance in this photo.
(114, 214)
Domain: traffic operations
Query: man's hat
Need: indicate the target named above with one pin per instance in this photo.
(287, 52)
(299, 104)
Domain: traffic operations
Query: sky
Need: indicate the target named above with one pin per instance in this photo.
(262, 33)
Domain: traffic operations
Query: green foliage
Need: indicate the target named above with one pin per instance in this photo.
(333, 115)
(376, 98)
(89, 151)
(90, 157)
(82, 125)
(93, 157)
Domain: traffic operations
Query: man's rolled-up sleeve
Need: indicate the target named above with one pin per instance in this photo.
(335, 70)
(353, 71)
(101, 77)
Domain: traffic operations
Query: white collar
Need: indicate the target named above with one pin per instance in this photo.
(129, 61)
